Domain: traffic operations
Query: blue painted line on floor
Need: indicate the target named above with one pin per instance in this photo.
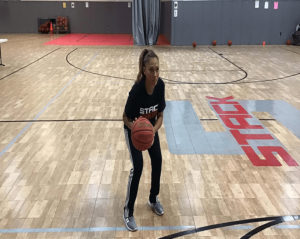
(27, 126)
(288, 226)
(7, 147)
(92, 229)
(167, 228)
(240, 227)
(107, 229)
(246, 227)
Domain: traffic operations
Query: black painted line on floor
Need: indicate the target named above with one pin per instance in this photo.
(268, 119)
(168, 81)
(176, 71)
(175, 82)
(83, 120)
(94, 73)
(241, 69)
(276, 219)
(208, 119)
(267, 80)
(66, 120)
(298, 53)
(29, 64)
(261, 228)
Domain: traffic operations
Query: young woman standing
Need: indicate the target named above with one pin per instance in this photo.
(147, 99)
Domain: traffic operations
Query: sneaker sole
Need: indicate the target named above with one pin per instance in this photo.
(152, 208)
(128, 228)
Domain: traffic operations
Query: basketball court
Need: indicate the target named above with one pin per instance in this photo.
(230, 140)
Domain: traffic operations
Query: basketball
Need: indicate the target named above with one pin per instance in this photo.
(214, 43)
(194, 44)
(142, 134)
(229, 43)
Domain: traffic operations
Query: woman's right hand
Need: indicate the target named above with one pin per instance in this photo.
(131, 123)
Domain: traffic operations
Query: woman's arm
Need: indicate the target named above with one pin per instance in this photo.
(128, 122)
(158, 122)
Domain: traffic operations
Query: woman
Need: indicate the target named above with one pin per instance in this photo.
(147, 99)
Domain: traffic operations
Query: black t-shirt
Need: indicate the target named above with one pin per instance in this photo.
(139, 103)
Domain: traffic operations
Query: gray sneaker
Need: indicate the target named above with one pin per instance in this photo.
(129, 221)
(156, 207)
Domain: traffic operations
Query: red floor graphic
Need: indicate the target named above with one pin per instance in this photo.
(99, 40)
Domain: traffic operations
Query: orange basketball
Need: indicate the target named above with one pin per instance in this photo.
(142, 134)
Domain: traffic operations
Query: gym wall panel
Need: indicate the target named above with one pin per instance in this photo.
(165, 19)
(198, 20)
(231, 23)
(291, 12)
(100, 17)
(238, 20)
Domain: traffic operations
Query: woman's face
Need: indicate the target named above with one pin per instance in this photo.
(151, 71)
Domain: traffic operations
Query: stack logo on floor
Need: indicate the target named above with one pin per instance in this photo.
(236, 121)
(244, 133)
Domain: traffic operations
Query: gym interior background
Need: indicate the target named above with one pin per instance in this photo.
(197, 20)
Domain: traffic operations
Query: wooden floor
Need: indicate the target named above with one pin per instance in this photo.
(64, 163)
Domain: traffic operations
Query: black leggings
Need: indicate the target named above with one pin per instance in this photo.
(136, 172)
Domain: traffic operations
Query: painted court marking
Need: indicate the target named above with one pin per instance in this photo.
(245, 133)
(27, 126)
(107, 229)
(268, 222)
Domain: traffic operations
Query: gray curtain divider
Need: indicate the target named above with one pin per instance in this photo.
(145, 21)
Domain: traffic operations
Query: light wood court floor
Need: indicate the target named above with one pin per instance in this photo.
(64, 163)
